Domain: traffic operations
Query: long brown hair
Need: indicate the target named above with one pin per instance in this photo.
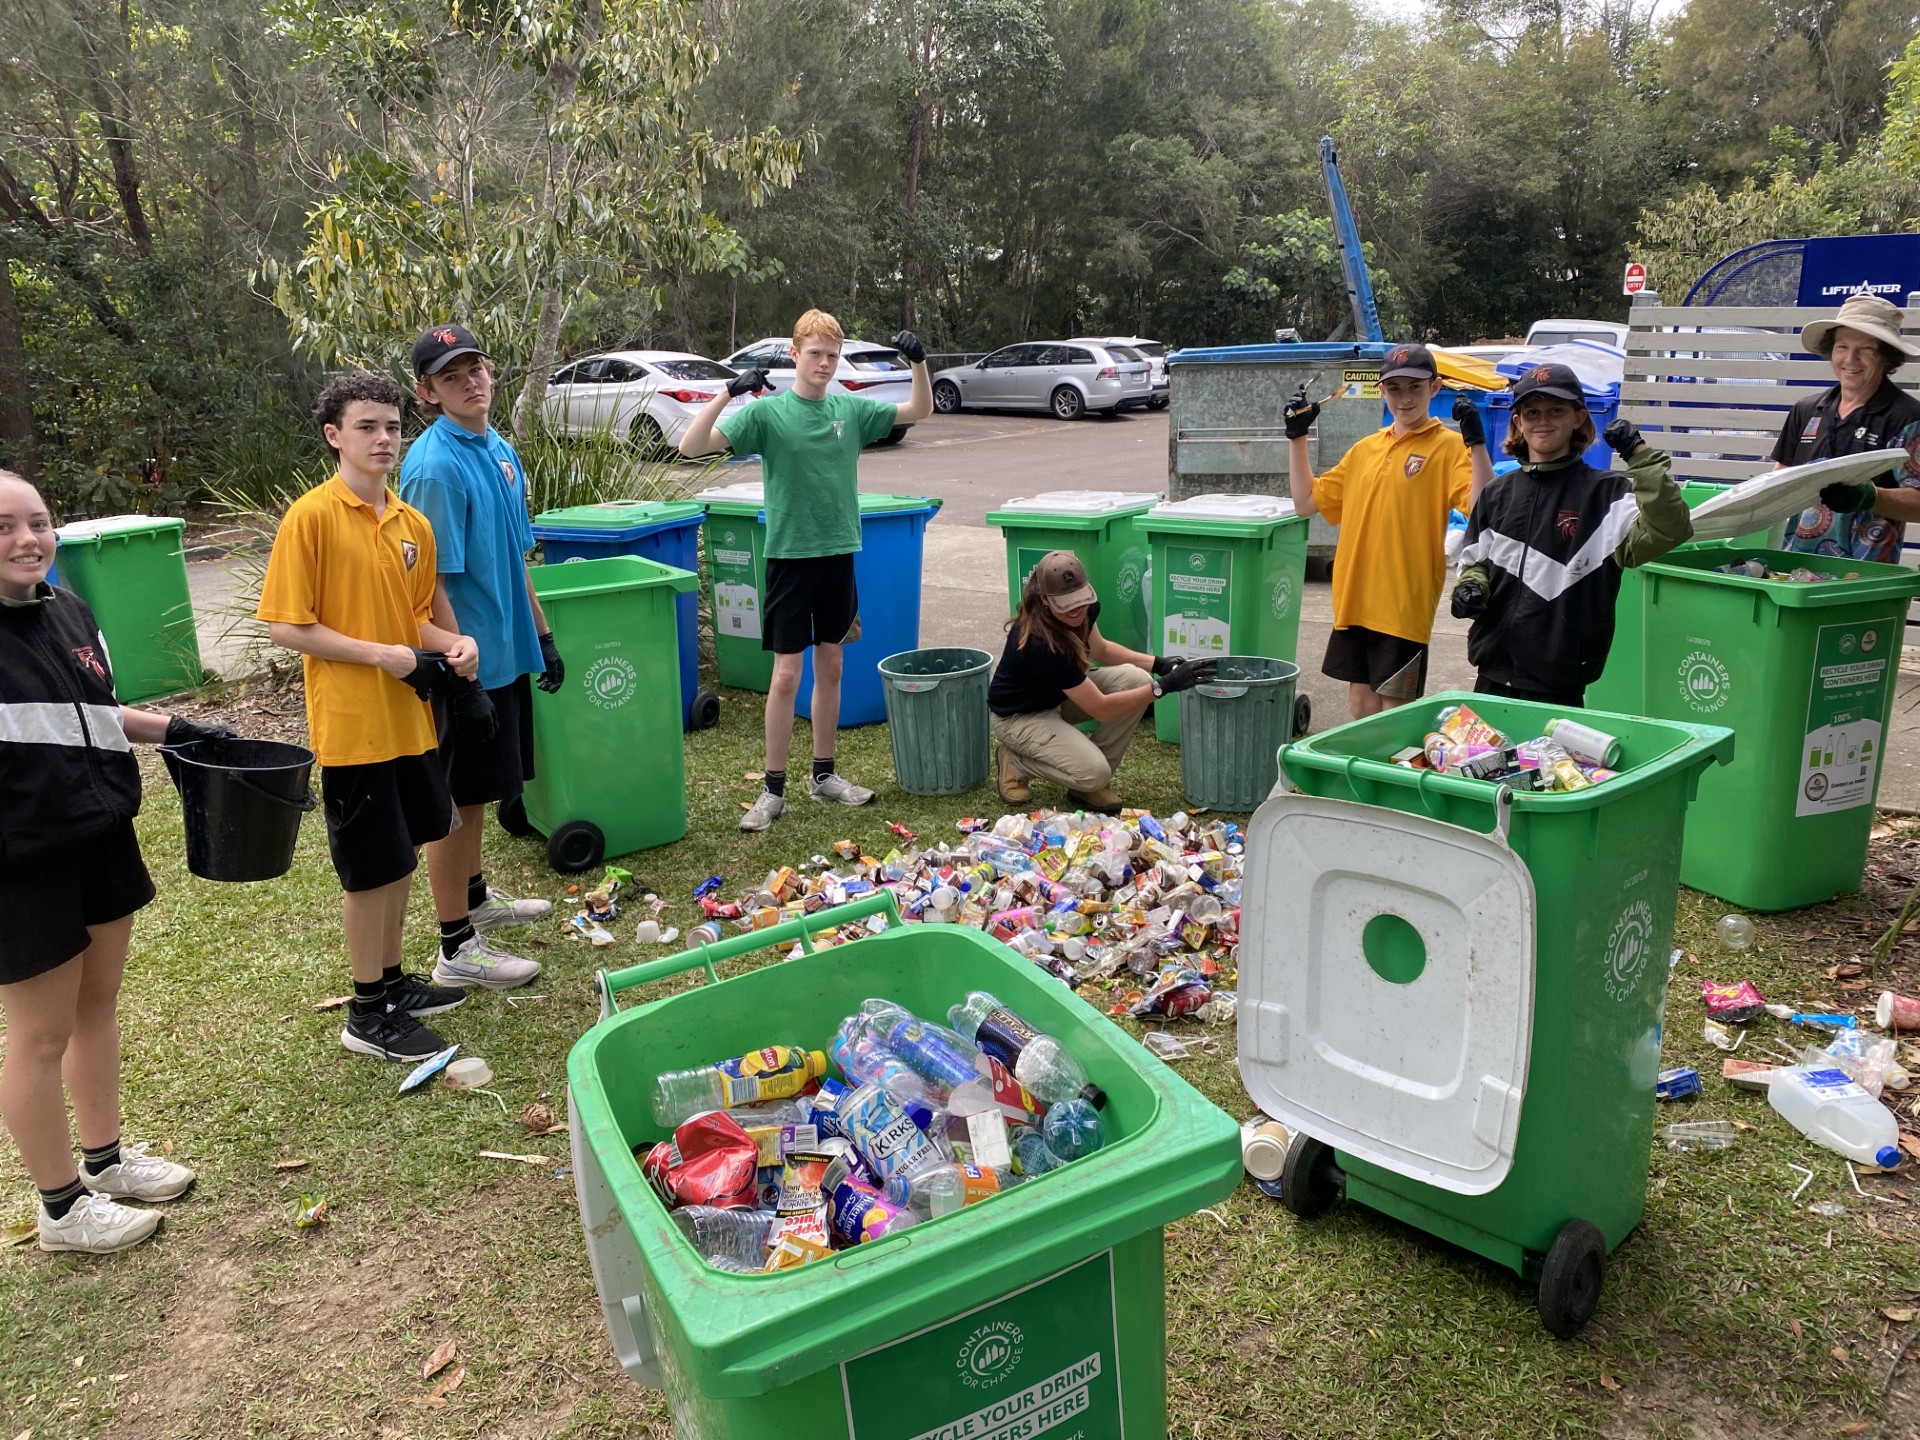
(1035, 616)
(1583, 436)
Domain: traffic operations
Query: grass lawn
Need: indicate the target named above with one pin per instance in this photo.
(1734, 1310)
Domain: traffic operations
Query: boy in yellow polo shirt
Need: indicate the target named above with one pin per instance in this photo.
(1389, 495)
(352, 586)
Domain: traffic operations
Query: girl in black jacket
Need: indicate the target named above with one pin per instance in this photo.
(71, 878)
(1546, 543)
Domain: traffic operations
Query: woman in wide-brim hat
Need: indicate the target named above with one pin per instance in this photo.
(1864, 411)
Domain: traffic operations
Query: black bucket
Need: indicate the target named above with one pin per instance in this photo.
(242, 800)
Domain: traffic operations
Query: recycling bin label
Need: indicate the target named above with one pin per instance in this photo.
(1199, 594)
(1039, 1364)
(734, 549)
(1840, 753)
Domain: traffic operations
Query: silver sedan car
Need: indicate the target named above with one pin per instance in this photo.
(1067, 378)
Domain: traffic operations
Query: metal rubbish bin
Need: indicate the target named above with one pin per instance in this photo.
(1806, 673)
(1227, 430)
(1233, 729)
(1039, 1312)
(1102, 528)
(132, 572)
(666, 531)
(937, 719)
(1452, 994)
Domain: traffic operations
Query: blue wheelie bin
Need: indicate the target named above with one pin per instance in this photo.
(666, 532)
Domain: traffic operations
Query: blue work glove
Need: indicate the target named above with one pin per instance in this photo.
(1466, 415)
(908, 344)
(555, 675)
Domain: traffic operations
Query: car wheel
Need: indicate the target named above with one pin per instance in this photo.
(1068, 403)
(646, 434)
(893, 436)
(946, 398)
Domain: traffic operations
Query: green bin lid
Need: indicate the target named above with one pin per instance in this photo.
(1069, 509)
(88, 532)
(1220, 514)
(619, 514)
(749, 497)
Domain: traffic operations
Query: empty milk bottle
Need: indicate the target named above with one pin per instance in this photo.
(1825, 1105)
(1039, 1062)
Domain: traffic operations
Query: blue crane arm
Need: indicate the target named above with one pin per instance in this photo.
(1353, 264)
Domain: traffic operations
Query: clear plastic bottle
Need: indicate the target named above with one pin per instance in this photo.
(1031, 1157)
(1824, 1104)
(1039, 1062)
(895, 1137)
(942, 1189)
(1072, 1130)
(728, 1239)
(775, 1073)
(931, 1051)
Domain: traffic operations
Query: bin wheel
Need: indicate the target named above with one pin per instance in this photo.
(1302, 715)
(577, 845)
(1309, 1180)
(706, 711)
(1570, 1278)
(512, 815)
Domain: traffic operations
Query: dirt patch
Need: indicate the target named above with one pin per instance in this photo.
(1666, 1405)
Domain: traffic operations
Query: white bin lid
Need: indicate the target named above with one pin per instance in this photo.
(112, 524)
(1224, 507)
(1081, 502)
(1386, 986)
(1767, 500)
(741, 492)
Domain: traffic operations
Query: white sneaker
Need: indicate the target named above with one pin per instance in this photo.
(478, 963)
(503, 909)
(140, 1176)
(767, 809)
(98, 1226)
(838, 789)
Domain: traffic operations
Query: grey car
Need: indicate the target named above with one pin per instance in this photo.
(1065, 377)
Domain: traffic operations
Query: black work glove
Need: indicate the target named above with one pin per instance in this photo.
(1623, 437)
(1186, 674)
(1300, 415)
(473, 710)
(747, 382)
(1469, 599)
(1848, 497)
(182, 731)
(430, 673)
(555, 675)
(908, 344)
(1163, 663)
(1466, 415)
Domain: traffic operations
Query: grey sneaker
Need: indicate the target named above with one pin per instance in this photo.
(767, 809)
(838, 789)
(478, 963)
(140, 1176)
(97, 1225)
(503, 909)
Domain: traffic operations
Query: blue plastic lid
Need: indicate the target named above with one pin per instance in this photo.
(920, 1113)
(1888, 1157)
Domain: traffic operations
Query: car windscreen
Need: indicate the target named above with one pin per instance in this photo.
(1567, 337)
(876, 360)
(692, 369)
(1125, 354)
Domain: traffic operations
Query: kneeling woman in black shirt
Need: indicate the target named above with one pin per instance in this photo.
(1046, 685)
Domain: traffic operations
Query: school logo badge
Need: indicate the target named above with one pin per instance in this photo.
(446, 337)
(1567, 521)
(1813, 429)
(87, 660)
(1402, 355)
(506, 473)
(409, 552)
(1415, 464)
(1542, 375)
(839, 429)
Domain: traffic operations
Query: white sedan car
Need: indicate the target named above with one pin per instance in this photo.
(878, 372)
(645, 396)
(1150, 350)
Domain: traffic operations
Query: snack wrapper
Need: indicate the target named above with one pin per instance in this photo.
(802, 1208)
(709, 1161)
(1732, 1004)
(1463, 726)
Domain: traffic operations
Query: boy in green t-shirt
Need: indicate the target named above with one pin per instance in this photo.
(809, 445)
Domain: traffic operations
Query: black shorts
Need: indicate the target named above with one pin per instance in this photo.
(480, 772)
(50, 903)
(379, 815)
(810, 602)
(1392, 667)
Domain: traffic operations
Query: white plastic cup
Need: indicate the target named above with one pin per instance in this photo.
(469, 1072)
(647, 932)
(1263, 1148)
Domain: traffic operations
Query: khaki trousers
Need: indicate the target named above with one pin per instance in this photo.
(1045, 746)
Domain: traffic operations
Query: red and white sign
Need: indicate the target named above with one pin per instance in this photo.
(1635, 279)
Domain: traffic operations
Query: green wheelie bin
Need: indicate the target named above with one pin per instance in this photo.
(1102, 528)
(1452, 993)
(610, 771)
(1805, 673)
(1229, 572)
(132, 572)
(1038, 1312)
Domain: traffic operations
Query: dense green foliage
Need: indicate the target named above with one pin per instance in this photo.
(203, 204)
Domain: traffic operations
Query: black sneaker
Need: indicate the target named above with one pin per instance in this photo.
(390, 1035)
(419, 996)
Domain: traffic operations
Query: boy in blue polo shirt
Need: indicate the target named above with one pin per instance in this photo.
(466, 479)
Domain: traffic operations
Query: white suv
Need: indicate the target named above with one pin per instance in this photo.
(878, 372)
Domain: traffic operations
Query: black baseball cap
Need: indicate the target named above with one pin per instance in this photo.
(1414, 360)
(441, 344)
(1556, 380)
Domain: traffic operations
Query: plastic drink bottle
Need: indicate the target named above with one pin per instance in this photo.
(1072, 1130)
(941, 1189)
(727, 1239)
(932, 1051)
(1039, 1062)
(892, 1136)
(775, 1073)
(1826, 1106)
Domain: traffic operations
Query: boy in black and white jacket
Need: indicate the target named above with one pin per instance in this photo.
(1546, 543)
